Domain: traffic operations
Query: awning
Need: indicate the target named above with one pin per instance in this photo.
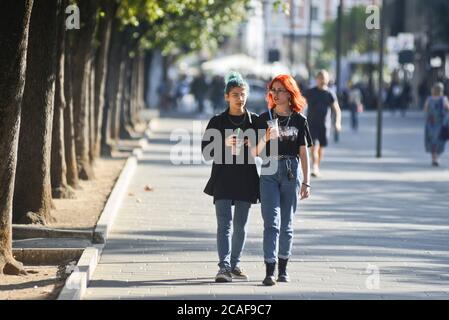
(245, 65)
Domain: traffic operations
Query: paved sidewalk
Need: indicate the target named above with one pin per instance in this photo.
(367, 217)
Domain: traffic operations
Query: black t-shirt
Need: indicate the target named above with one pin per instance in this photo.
(234, 122)
(318, 101)
(293, 133)
(238, 122)
(233, 181)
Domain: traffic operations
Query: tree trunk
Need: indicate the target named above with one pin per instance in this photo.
(32, 194)
(136, 82)
(60, 188)
(137, 92)
(104, 36)
(81, 77)
(118, 97)
(141, 86)
(147, 83)
(134, 93)
(69, 131)
(125, 121)
(130, 44)
(14, 26)
(110, 89)
(91, 104)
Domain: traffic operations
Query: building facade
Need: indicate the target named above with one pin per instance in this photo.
(429, 58)
(293, 38)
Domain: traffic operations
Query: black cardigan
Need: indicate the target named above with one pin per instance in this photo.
(236, 182)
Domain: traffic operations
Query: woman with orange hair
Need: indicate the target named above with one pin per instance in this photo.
(285, 154)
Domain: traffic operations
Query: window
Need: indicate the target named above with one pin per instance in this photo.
(314, 13)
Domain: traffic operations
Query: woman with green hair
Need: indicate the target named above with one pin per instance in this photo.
(234, 179)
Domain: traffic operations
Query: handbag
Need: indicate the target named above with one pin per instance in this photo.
(360, 108)
(444, 132)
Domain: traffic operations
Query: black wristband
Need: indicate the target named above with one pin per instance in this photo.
(307, 185)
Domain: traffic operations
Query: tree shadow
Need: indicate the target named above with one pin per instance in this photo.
(30, 284)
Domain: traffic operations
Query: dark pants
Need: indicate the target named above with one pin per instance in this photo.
(200, 100)
(354, 117)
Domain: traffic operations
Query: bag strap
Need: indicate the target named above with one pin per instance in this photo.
(441, 101)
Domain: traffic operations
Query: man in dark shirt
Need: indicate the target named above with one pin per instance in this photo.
(319, 100)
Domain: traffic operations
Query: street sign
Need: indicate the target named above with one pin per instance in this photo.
(274, 55)
(406, 56)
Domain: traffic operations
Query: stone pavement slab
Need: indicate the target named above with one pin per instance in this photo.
(373, 229)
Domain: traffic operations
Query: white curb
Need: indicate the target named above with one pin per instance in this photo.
(76, 284)
(112, 206)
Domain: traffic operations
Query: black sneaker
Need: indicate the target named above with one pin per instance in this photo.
(283, 278)
(269, 277)
(237, 273)
(269, 281)
(223, 275)
(283, 275)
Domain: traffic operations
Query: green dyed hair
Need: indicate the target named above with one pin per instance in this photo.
(234, 80)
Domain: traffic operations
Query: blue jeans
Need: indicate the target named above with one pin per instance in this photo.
(279, 199)
(230, 251)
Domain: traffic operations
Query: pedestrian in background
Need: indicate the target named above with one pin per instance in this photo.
(216, 94)
(437, 110)
(394, 95)
(406, 97)
(199, 89)
(355, 105)
(281, 183)
(182, 89)
(165, 97)
(231, 184)
(319, 101)
(332, 87)
(423, 93)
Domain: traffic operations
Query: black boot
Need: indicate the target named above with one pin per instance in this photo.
(283, 275)
(269, 278)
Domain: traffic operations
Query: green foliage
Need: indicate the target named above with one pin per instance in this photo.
(182, 25)
(355, 36)
(283, 4)
(133, 12)
(324, 60)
